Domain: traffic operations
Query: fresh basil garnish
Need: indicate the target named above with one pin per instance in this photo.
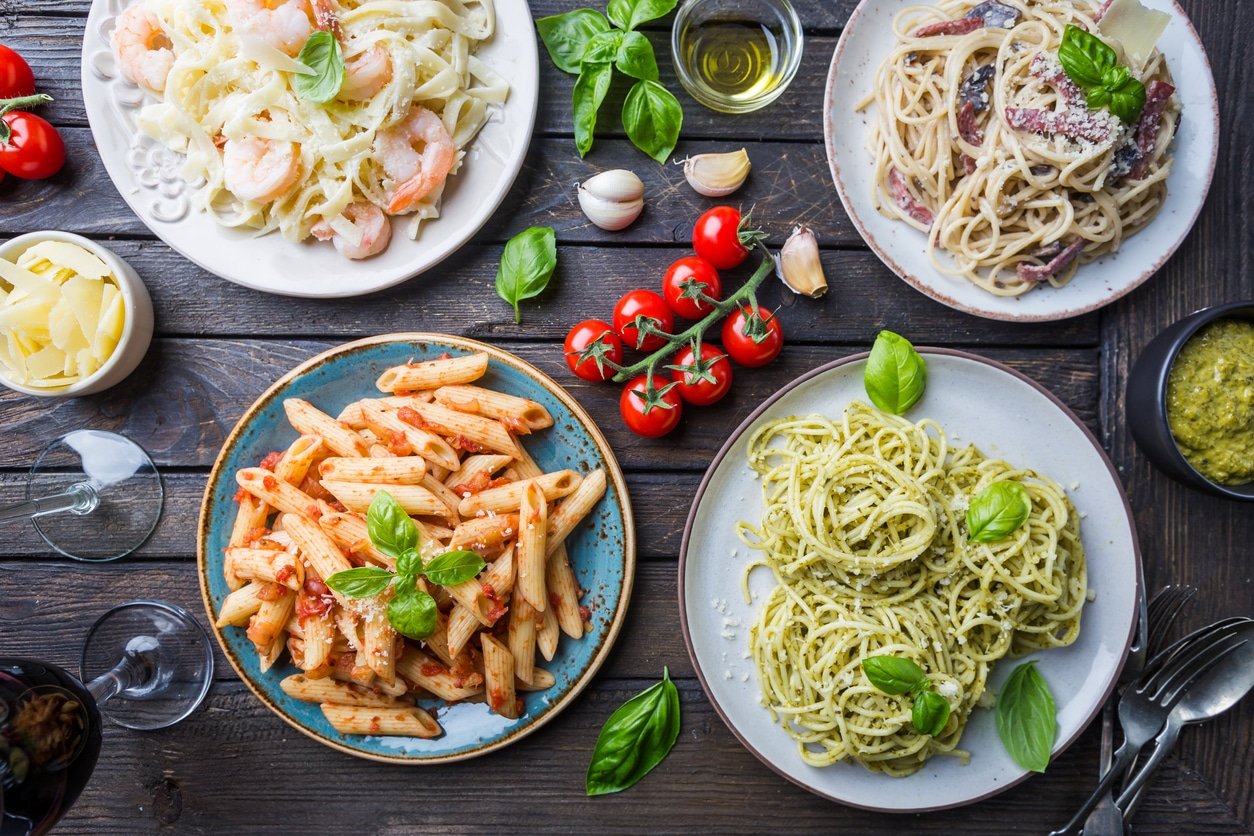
(997, 512)
(362, 582)
(1094, 66)
(603, 48)
(527, 264)
(635, 739)
(894, 675)
(590, 89)
(566, 36)
(322, 55)
(635, 57)
(452, 568)
(628, 14)
(1027, 718)
(390, 528)
(930, 714)
(895, 375)
(652, 118)
(412, 612)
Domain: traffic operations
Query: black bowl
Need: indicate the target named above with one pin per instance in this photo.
(1147, 399)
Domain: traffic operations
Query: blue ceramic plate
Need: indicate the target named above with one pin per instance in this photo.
(602, 550)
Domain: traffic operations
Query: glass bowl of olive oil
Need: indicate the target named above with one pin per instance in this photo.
(735, 56)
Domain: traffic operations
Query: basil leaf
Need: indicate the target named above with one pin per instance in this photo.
(893, 674)
(997, 512)
(454, 567)
(362, 582)
(389, 527)
(895, 375)
(526, 266)
(635, 57)
(590, 89)
(1084, 57)
(930, 714)
(635, 739)
(628, 14)
(321, 54)
(409, 564)
(603, 48)
(412, 612)
(1027, 718)
(652, 118)
(1128, 100)
(566, 36)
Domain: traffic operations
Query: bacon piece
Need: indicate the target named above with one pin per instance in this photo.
(1042, 272)
(1074, 124)
(1052, 73)
(968, 125)
(1156, 97)
(901, 193)
(961, 26)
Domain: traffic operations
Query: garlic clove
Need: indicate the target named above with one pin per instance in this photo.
(800, 266)
(619, 185)
(717, 175)
(612, 199)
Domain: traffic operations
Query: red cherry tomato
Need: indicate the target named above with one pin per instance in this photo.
(638, 303)
(749, 349)
(652, 420)
(706, 382)
(16, 79)
(685, 277)
(716, 237)
(583, 362)
(35, 150)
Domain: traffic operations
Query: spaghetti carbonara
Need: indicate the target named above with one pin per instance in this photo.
(982, 141)
(864, 531)
(271, 156)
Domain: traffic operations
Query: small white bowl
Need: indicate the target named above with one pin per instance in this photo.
(136, 332)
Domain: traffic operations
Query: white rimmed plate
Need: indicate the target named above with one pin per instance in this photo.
(1012, 417)
(867, 38)
(147, 176)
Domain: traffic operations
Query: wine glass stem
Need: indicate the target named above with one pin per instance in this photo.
(78, 499)
(131, 670)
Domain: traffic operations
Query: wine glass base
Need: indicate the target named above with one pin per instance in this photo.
(174, 651)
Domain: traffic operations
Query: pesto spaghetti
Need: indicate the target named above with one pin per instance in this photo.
(864, 530)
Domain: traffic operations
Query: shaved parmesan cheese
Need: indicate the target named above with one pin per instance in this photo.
(1135, 27)
(267, 57)
(67, 256)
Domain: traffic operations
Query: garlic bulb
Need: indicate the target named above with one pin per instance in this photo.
(800, 266)
(717, 175)
(612, 199)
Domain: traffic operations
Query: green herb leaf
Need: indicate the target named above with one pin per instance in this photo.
(603, 48)
(652, 118)
(526, 266)
(566, 36)
(409, 564)
(1027, 718)
(895, 375)
(412, 612)
(362, 582)
(389, 527)
(997, 512)
(628, 14)
(1127, 100)
(590, 89)
(635, 57)
(454, 567)
(636, 738)
(1094, 66)
(322, 55)
(930, 714)
(894, 675)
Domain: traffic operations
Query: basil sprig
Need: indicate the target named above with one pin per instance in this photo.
(322, 55)
(1027, 718)
(997, 512)
(636, 738)
(896, 675)
(1094, 67)
(526, 266)
(411, 611)
(895, 374)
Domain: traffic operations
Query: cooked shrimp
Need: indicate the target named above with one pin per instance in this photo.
(284, 24)
(144, 51)
(260, 170)
(366, 74)
(374, 226)
(417, 173)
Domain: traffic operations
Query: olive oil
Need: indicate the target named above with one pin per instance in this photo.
(735, 59)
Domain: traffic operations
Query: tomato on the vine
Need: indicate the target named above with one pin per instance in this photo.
(753, 339)
(16, 78)
(34, 150)
(628, 313)
(650, 413)
(588, 345)
(719, 237)
(701, 381)
(686, 281)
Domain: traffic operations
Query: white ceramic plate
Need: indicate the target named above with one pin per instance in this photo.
(869, 36)
(147, 176)
(1005, 415)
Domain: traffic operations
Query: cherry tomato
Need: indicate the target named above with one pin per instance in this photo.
(687, 277)
(582, 361)
(716, 237)
(16, 79)
(652, 420)
(35, 150)
(638, 303)
(706, 382)
(746, 348)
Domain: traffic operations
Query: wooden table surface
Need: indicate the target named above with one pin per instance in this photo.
(236, 768)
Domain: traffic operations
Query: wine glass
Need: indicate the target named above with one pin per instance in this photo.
(146, 665)
(92, 495)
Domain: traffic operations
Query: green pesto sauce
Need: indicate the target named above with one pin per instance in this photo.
(1210, 401)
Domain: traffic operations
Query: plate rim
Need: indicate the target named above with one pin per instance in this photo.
(736, 437)
(829, 143)
(614, 473)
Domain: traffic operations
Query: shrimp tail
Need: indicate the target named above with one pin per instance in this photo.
(407, 194)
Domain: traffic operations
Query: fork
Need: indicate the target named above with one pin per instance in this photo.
(1144, 707)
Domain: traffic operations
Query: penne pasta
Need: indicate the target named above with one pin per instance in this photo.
(498, 677)
(300, 687)
(241, 605)
(408, 721)
(419, 669)
(547, 634)
(357, 496)
(319, 635)
(507, 498)
(518, 414)
(480, 431)
(387, 424)
(380, 645)
(324, 557)
(574, 508)
(485, 535)
(433, 373)
(298, 458)
(532, 523)
(266, 486)
(309, 420)
(389, 470)
(476, 470)
(447, 497)
(462, 626)
(541, 680)
(563, 591)
(522, 638)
